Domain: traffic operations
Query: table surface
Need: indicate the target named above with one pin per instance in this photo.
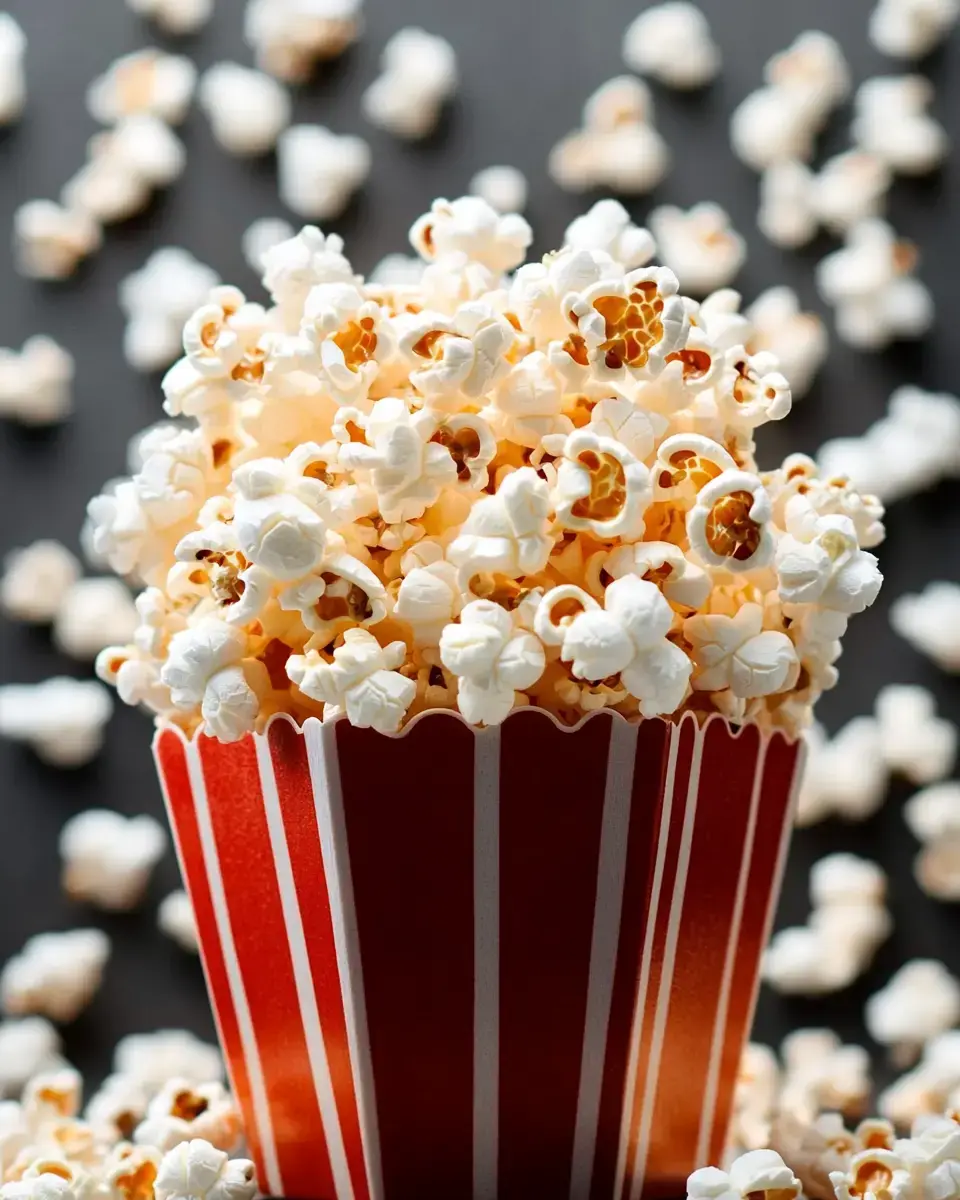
(526, 69)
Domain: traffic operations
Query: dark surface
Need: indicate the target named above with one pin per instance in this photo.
(526, 69)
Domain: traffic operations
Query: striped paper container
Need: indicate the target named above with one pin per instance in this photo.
(501, 964)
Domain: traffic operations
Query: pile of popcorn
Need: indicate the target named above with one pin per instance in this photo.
(479, 491)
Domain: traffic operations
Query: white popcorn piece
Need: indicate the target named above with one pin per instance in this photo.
(911, 28)
(150, 1059)
(924, 1091)
(914, 741)
(934, 812)
(683, 583)
(698, 245)
(508, 532)
(786, 215)
(820, 1073)
(50, 241)
(829, 570)
(607, 227)
(891, 122)
(107, 858)
(849, 188)
(175, 918)
(117, 1108)
(55, 974)
(930, 622)
(198, 1171)
(247, 109)
(758, 1173)
(36, 385)
(397, 270)
(36, 580)
(62, 720)
(672, 43)
(94, 613)
(28, 1046)
(798, 339)
(813, 66)
(289, 36)
(919, 1002)
(362, 681)
(470, 226)
(504, 188)
(737, 653)
(13, 84)
(183, 1111)
(846, 776)
(318, 171)
(45, 1185)
(157, 300)
(843, 878)
(145, 82)
(418, 76)
(204, 666)
(175, 17)
(260, 237)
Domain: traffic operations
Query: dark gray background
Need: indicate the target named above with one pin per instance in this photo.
(526, 69)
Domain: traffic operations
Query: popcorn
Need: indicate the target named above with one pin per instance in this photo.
(247, 109)
(737, 653)
(176, 17)
(925, 1089)
(820, 1073)
(198, 1171)
(175, 918)
(871, 285)
(933, 816)
(146, 82)
(55, 974)
(850, 188)
(607, 227)
(507, 532)
(617, 148)
(829, 570)
(699, 246)
(846, 776)
(107, 858)
(914, 740)
(289, 36)
(204, 666)
(921, 1001)
(260, 237)
(13, 86)
(911, 28)
(318, 171)
(930, 622)
(891, 122)
(491, 659)
(183, 1111)
(49, 241)
(672, 43)
(503, 188)
(362, 681)
(471, 227)
(418, 76)
(27, 1047)
(150, 1059)
(36, 580)
(759, 1173)
(157, 300)
(62, 720)
(93, 614)
(797, 339)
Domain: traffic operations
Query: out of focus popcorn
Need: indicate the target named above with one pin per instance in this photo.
(504, 188)
(35, 581)
(911, 28)
(55, 974)
(921, 1001)
(152, 1058)
(700, 246)
(175, 918)
(147, 82)
(28, 1045)
(50, 241)
(62, 719)
(844, 776)
(157, 300)
(318, 171)
(260, 237)
(914, 740)
(933, 816)
(930, 622)
(418, 75)
(36, 384)
(289, 36)
(247, 109)
(176, 17)
(13, 84)
(798, 339)
(892, 123)
(672, 43)
(107, 858)
(94, 613)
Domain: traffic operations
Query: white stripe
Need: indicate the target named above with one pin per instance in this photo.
(248, 1039)
(611, 871)
(486, 953)
(639, 1008)
(303, 976)
(321, 743)
(718, 1039)
(666, 975)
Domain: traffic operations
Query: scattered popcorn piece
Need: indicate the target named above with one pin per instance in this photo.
(36, 580)
(786, 215)
(819, 1072)
(755, 1099)
(798, 339)
(36, 384)
(418, 76)
(107, 858)
(607, 227)
(919, 1002)
(146, 82)
(318, 171)
(198, 1171)
(871, 285)
(469, 226)
(259, 237)
(846, 776)
(62, 720)
(175, 17)
(504, 188)
(175, 918)
(289, 36)
(182, 1111)
(13, 84)
(27, 1047)
(911, 28)
(890, 121)
(699, 246)
(849, 188)
(927, 1088)
(933, 816)
(930, 622)
(150, 1059)
(618, 147)
(157, 300)
(247, 109)
(50, 241)
(117, 1108)
(756, 1173)
(914, 741)
(672, 42)
(55, 974)
(95, 613)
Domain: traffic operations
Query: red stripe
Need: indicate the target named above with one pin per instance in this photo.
(408, 809)
(171, 758)
(684, 734)
(291, 769)
(727, 772)
(260, 937)
(653, 746)
(781, 762)
(551, 811)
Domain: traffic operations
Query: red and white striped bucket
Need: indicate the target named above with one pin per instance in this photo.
(490, 964)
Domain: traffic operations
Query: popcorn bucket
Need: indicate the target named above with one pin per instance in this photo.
(510, 963)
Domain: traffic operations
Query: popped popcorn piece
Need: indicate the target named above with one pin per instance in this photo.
(175, 918)
(754, 1099)
(175, 17)
(737, 653)
(919, 1002)
(672, 42)
(503, 188)
(289, 36)
(204, 666)
(182, 1111)
(849, 188)
(891, 122)
(50, 241)
(471, 227)
(198, 1171)
(698, 245)
(828, 569)
(820, 1073)
(146, 82)
(911, 28)
(55, 974)
(617, 147)
(933, 816)
(506, 532)
(786, 215)
(150, 1059)
(44, 1185)
(94, 613)
(28, 1046)
(930, 622)
(846, 776)
(758, 1173)
(871, 285)
(491, 659)
(247, 109)
(108, 858)
(797, 339)
(62, 720)
(418, 75)
(260, 237)
(607, 227)
(318, 171)
(914, 741)
(36, 580)
(926, 1089)
(397, 270)
(117, 1108)
(157, 300)
(13, 84)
